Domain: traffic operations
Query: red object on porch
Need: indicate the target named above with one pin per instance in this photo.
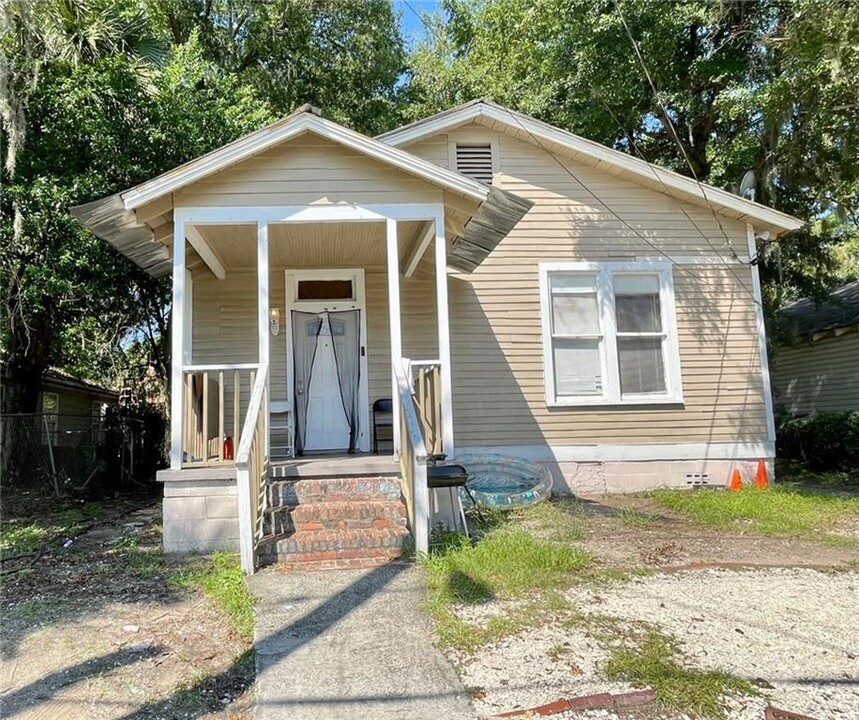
(761, 478)
(736, 481)
(228, 448)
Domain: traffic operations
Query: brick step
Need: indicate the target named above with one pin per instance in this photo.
(343, 560)
(330, 544)
(352, 515)
(316, 490)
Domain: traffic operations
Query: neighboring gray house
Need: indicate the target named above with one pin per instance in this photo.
(818, 369)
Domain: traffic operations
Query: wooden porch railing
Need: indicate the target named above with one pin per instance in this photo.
(413, 458)
(252, 472)
(212, 408)
(426, 382)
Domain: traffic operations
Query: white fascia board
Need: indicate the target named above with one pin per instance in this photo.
(646, 171)
(273, 135)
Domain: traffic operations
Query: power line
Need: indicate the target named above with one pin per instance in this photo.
(607, 207)
(677, 141)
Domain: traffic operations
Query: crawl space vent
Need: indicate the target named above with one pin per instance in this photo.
(474, 160)
(697, 479)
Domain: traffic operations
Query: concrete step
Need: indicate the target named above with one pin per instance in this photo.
(317, 490)
(352, 515)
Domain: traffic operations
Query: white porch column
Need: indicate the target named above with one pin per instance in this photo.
(262, 310)
(443, 336)
(177, 345)
(393, 258)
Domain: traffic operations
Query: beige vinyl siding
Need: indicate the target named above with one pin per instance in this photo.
(819, 376)
(224, 326)
(305, 171)
(498, 384)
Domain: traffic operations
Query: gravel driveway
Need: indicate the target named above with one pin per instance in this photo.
(796, 630)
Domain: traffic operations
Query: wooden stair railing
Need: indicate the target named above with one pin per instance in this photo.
(252, 471)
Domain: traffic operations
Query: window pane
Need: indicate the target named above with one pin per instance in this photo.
(577, 367)
(631, 284)
(575, 314)
(642, 369)
(325, 290)
(573, 281)
(638, 313)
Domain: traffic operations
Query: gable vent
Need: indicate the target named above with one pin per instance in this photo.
(474, 160)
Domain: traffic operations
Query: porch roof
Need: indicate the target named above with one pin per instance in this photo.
(114, 219)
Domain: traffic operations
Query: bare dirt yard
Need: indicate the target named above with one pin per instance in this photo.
(721, 604)
(97, 623)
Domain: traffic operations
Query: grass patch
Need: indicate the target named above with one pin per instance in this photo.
(221, 579)
(22, 536)
(630, 517)
(652, 659)
(525, 556)
(773, 511)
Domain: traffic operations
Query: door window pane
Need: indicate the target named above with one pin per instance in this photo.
(577, 367)
(641, 365)
(325, 290)
(575, 314)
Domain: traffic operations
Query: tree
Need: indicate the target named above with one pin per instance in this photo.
(709, 89)
(345, 56)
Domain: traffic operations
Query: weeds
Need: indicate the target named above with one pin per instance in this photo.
(221, 579)
(524, 557)
(652, 659)
(773, 511)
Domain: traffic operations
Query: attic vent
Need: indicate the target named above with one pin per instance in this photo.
(474, 160)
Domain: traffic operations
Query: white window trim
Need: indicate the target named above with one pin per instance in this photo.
(611, 394)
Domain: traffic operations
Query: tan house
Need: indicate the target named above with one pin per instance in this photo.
(817, 369)
(512, 288)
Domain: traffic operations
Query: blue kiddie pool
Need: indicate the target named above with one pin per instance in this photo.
(504, 481)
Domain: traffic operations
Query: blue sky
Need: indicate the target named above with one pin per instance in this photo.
(413, 30)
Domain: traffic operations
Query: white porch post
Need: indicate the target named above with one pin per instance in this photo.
(443, 336)
(177, 345)
(394, 315)
(262, 310)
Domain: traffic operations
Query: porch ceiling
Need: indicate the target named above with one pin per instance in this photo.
(360, 244)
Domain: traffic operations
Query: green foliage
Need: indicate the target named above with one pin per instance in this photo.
(652, 659)
(26, 535)
(223, 582)
(828, 441)
(778, 510)
(769, 86)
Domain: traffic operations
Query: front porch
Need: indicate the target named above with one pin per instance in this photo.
(258, 401)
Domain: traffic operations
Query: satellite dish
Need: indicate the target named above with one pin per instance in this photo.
(747, 185)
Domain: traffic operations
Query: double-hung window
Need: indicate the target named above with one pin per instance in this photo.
(609, 333)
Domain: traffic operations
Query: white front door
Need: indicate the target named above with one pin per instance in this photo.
(321, 292)
(327, 424)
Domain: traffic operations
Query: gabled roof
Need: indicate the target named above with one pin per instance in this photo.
(672, 183)
(113, 219)
(806, 317)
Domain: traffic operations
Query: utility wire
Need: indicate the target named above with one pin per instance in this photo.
(683, 268)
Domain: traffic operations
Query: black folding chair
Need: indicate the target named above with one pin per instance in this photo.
(383, 417)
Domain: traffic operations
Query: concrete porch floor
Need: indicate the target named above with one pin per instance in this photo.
(335, 466)
(350, 644)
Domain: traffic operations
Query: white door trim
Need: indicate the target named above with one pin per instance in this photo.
(359, 303)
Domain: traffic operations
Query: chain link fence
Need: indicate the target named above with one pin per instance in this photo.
(57, 454)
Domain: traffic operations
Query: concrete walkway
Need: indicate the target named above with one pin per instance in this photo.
(349, 644)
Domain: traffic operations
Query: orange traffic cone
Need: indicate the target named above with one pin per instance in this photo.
(736, 483)
(761, 477)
